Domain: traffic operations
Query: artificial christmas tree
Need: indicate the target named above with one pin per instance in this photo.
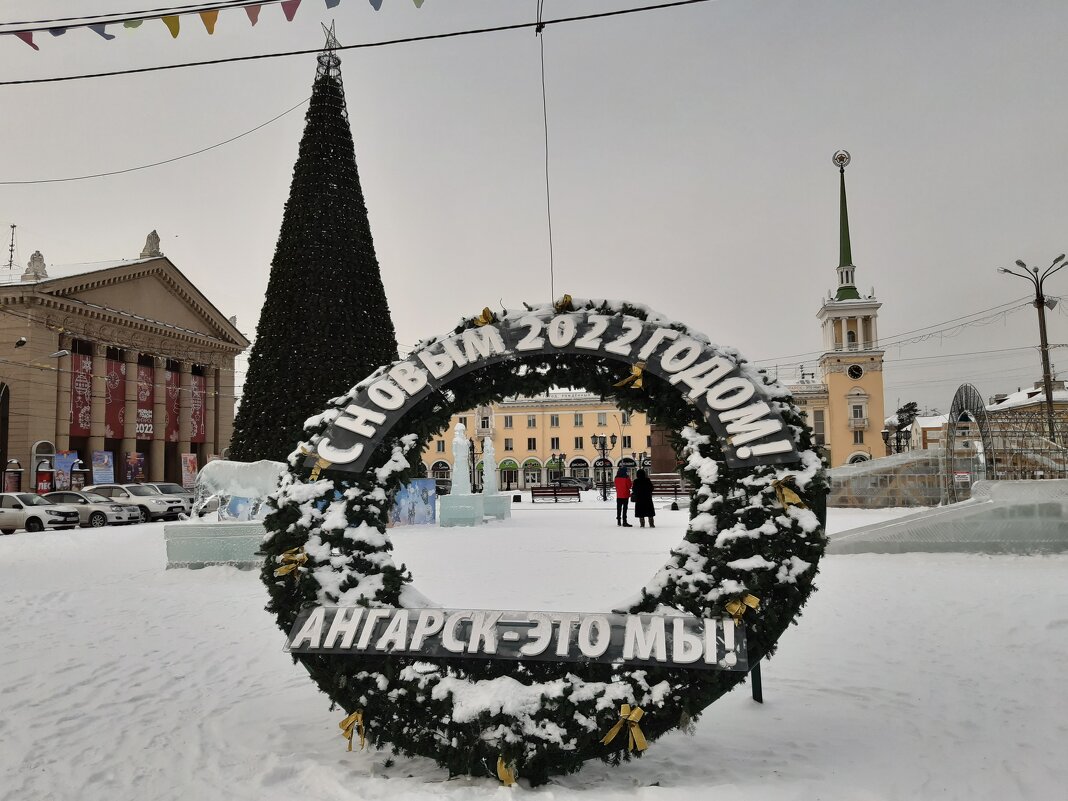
(325, 321)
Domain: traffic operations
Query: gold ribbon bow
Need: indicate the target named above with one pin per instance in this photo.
(505, 772)
(629, 717)
(352, 723)
(291, 560)
(485, 318)
(737, 607)
(563, 305)
(786, 493)
(634, 380)
(320, 465)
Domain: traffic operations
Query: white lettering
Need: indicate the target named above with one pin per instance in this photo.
(563, 638)
(702, 376)
(632, 329)
(384, 394)
(685, 647)
(483, 630)
(591, 340)
(588, 645)
(561, 330)
(338, 455)
(730, 393)
(531, 340)
(449, 640)
(311, 631)
(482, 342)
(358, 420)
(369, 623)
(640, 642)
(408, 377)
(746, 424)
(429, 623)
(396, 632)
(766, 449)
(730, 658)
(658, 337)
(540, 637)
(345, 624)
(439, 364)
(453, 349)
(680, 355)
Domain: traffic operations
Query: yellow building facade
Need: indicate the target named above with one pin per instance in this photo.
(541, 438)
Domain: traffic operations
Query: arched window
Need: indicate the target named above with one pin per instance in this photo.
(531, 472)
(441, 470)
(580, 468)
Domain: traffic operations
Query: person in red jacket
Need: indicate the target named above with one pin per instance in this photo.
(623, 484)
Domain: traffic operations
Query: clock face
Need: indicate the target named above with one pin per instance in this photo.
(855, 371)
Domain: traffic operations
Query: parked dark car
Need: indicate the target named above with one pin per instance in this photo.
(571, 481)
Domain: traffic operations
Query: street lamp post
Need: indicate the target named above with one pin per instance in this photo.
(1041, 303)
(475, 454)
(601, 445)
(558, 459)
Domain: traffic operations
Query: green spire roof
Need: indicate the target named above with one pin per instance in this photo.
(846, 288)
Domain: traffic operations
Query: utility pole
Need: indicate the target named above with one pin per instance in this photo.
(1041, 303)
(11, 250)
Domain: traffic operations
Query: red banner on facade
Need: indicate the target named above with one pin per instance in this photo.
(198, 431)
(172, 405)
(81, 394)
(115, 399)
(146, 398)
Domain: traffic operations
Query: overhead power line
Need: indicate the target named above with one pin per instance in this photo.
(157, 163)
(383, 43)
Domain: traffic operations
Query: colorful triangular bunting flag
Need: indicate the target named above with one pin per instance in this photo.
(332, 3)
(253, 12)
(289, 8)
(209, 18)
(57, 31)
(102, 30)
(27, 37)
(132, 23)
(173, 24)
(376, 5)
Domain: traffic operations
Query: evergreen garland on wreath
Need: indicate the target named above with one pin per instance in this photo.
(544, 718)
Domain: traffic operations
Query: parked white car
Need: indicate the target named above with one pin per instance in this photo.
(150, 504)
(33, 513)
(96, 510)
(175, 491)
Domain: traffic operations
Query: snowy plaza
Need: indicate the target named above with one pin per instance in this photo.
(909, 676)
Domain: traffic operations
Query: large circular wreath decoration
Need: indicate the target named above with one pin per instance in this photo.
(327, 545)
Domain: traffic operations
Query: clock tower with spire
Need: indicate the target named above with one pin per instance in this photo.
(851, 367)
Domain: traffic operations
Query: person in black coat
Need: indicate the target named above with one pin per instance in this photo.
(642, 495)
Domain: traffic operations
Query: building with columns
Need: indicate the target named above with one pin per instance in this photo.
(844, 403)
(545, 437)
(124, 357)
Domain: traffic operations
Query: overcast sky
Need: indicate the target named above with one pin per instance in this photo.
(690, 162)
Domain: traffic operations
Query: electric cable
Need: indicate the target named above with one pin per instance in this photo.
(157, 163)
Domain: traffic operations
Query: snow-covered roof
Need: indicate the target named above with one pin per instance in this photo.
(934, 421)
(69, 270)
(1026, 397)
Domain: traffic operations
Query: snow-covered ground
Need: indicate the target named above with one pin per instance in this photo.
(909, 677)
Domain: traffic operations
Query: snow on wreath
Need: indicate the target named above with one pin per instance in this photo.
(750, 551)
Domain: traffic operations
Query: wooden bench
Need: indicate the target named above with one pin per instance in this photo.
(556, 493)
(671, 489)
